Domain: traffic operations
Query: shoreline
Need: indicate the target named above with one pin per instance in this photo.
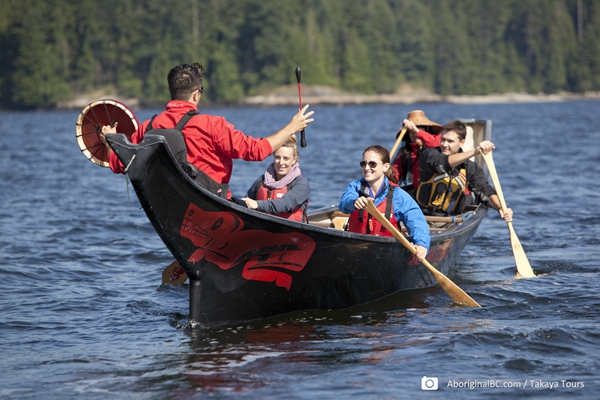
(314, 94)
(322, 95)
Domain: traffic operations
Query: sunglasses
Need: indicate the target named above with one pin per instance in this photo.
(201, 89)
(372, 164)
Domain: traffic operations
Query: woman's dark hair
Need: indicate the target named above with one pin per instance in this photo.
(384, 154)
(184, 79)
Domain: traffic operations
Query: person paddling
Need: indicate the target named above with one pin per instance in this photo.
(421, 133)
(450, 181)
(379, 184)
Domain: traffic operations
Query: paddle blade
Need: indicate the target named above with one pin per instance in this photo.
(454, 292)
(174, 274)
(523, 267)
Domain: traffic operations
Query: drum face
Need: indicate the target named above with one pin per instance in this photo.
(90, 122)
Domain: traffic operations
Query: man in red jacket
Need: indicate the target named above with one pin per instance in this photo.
(212, 142)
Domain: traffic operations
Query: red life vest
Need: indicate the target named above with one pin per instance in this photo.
(265, 193)
(360, 221)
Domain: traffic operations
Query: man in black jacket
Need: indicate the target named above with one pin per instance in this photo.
(450, 181)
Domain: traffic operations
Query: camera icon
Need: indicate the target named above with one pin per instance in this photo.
(429, 383)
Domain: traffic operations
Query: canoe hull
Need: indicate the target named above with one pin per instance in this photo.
(246, 265)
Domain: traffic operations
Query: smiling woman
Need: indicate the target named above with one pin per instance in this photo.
(281, 190)
(380, 186)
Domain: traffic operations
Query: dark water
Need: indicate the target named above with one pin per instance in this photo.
(83, 313)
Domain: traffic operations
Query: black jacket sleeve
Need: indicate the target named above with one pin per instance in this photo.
(477, 181)
(432, 162)
(254, 188)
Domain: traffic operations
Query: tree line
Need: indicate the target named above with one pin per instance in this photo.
(53, 50)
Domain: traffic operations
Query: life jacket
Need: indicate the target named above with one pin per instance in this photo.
(297, 214)
(443, 193)
(176, 143)
(360, 221)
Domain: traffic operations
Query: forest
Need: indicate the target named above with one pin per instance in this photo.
(55, 50)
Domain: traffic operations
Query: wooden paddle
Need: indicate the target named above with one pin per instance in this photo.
(523, 266)
(174, 274)
(400, 136)
(456, 294)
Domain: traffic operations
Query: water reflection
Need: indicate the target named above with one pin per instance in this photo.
(82, 315)
(231, 357)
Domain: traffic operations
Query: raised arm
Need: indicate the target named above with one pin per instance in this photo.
(298, 122)
(460, 157)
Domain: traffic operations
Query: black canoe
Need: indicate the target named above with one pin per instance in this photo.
(246, 265)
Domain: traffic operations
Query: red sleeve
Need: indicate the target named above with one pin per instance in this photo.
(397, 167)
(428, 139)
(236, 144)
(115, 164)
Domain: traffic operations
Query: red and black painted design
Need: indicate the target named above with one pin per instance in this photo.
(176, 274)
(255, 257)
(435, 255)
(265, 256)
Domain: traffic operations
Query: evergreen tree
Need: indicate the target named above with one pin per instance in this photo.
(156, 87)
(322, 64)
(265, 38)
(377, 27)
(584, 72)
(356, 65)
(7, 50)
(225, 75)
(85, 39)
(39, 68)
(413, 43)
(50, 51)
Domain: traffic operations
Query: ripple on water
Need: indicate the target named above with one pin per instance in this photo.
(84, 313)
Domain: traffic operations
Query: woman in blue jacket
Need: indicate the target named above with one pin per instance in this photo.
(379, 184)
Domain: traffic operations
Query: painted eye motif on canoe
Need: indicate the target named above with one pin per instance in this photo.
(259, 255)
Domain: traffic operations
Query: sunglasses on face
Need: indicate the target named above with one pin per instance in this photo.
(372, 164)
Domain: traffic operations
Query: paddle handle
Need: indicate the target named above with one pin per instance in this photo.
(489, 160)
(390, 227)
(456, 294)
(298, 78)
(400, 136)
